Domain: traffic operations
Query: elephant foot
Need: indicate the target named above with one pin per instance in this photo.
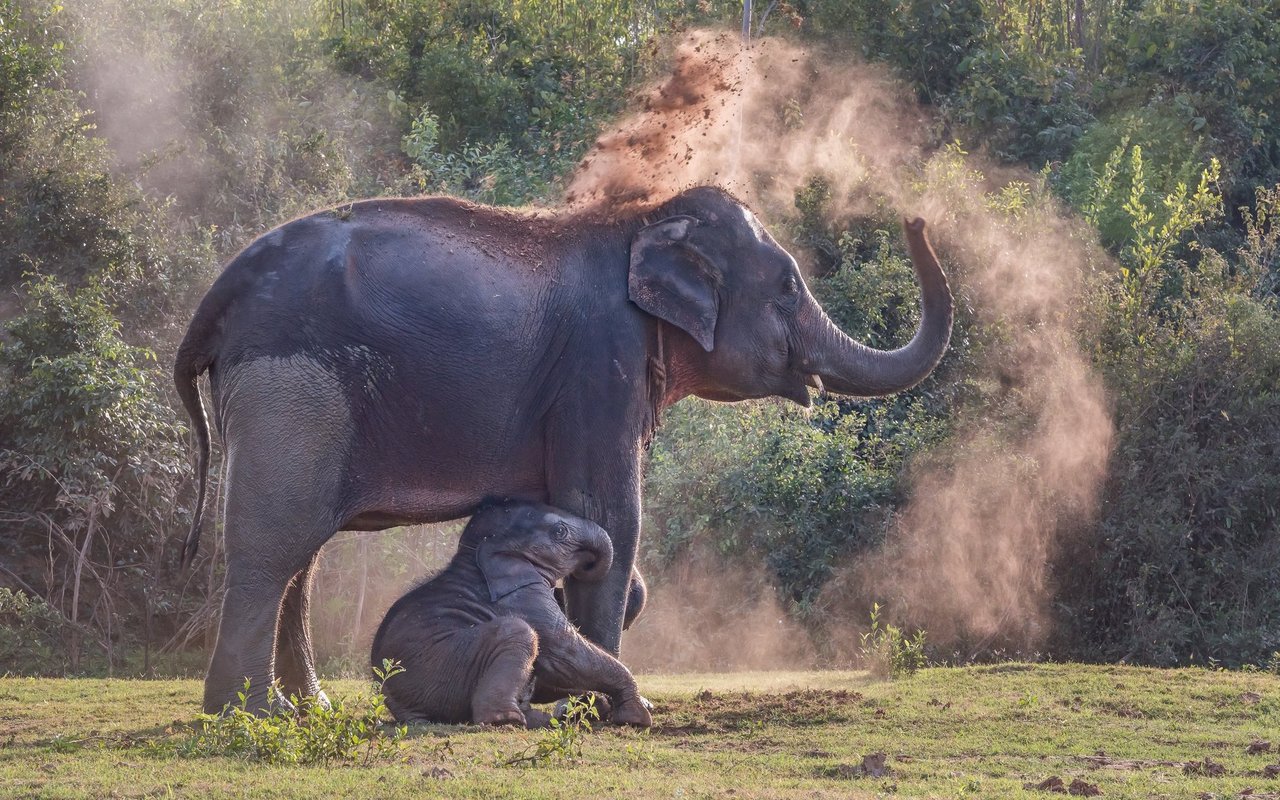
(602, 704)
(322, 700)
(279, 701)
(533, 718)
(284, 701)
(632, 713)
(510, 716)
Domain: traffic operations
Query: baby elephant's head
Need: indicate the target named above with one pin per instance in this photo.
(520, 544)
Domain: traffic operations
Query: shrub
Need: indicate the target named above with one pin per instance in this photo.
(1189, 527)
(90, 464)
(29, 634)
(887, 652)
(562, 741)
(306, 732)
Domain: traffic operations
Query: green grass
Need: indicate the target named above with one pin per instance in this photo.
(972, 732)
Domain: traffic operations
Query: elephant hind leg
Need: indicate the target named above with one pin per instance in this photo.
(287, 425)
(507, 648)
(265, 578)
(295, 656)
(478, 674)
(271, 548)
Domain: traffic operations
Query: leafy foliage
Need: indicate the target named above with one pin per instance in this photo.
(91, 460)
(562, 740)
(768, 481)
(887, 652)
(29, 631)
(305, 732)
(1190, 524)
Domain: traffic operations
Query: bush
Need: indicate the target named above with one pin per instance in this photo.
(562, 741)
(1189, 526)
(91, 462)
(305, 733)
(887, 652)
(1217, 65)
(29, 634)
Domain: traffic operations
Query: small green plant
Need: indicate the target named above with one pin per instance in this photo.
(887, 652)
(28, 633)
(563, 740)
(305, 733)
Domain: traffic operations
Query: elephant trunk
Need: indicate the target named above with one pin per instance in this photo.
(595, 554)
(851, 368)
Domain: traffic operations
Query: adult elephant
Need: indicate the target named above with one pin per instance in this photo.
(396, 361)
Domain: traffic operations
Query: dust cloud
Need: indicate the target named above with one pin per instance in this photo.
(703, 615)
(968, 556)
(192, 107)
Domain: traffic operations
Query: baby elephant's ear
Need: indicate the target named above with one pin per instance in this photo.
(504, 572)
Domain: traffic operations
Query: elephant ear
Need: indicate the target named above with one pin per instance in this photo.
(671, 280)
(504, 572)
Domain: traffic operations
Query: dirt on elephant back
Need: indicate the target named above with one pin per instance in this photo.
(687, 118)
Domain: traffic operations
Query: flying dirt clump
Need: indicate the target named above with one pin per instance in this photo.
(682, 120)
(968, 555)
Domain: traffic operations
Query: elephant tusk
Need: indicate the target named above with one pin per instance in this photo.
(815, 380)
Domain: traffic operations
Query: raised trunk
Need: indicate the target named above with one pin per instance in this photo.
(596, 554)
(850, 368)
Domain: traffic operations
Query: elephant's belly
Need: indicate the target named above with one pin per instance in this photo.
(433, 506)
(437, 490)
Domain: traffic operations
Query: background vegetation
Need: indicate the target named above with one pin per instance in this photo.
(143, 143)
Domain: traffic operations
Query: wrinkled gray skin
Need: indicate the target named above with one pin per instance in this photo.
(474, 639)
(637, 596)
(396, 361)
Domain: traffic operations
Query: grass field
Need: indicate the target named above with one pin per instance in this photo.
(971, 732)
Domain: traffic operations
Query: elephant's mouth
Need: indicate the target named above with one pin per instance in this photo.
(794, 386)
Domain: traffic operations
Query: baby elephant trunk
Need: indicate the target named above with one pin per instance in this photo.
(595, 553)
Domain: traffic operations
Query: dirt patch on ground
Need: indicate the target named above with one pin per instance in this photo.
(874, 765)
(713, 713)
(1103, 761)
(1054, 784)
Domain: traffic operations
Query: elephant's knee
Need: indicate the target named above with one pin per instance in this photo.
(514, 638)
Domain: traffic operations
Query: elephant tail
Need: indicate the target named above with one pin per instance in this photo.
(192, 360)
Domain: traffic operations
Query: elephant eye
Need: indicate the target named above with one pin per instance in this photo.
(791, 285)
(560, 532)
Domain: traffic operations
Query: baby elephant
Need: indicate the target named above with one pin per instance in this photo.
(474, 639)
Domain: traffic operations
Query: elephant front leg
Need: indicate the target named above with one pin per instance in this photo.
(566, 659)
(598, 608)
(637, 596)
(609, 496)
